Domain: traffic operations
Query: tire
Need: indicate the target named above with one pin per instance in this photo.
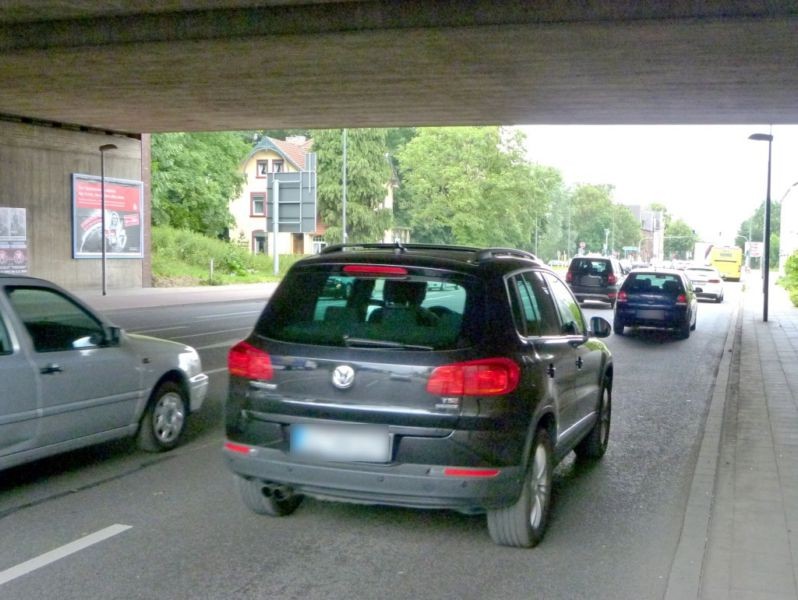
(523, 524)
(695, 323)
(719, 299)
(617, 325)
(164, 421)
(594, 444)
(275, 501)
(684, 330)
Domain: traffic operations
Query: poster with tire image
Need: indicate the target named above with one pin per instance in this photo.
(122, 200)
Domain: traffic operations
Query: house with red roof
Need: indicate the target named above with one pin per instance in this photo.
(271, 155)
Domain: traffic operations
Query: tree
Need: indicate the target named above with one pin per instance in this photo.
(596, 220)
(471, 186)
(680, 240)
(194, 177)
(754, 228)
(368, 173)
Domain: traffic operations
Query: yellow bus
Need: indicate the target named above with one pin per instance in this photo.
(728, 260)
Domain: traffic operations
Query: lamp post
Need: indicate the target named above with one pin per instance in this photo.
(765, 137)
(103, 149)
(343, 188)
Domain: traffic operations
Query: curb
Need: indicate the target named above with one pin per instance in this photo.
(684, 580)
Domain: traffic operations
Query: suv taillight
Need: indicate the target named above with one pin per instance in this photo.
(681, 299)
(611, 279)
(485, 377)
(245, 360)
(622, 296)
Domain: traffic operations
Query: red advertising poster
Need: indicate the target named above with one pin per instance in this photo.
(122, 200)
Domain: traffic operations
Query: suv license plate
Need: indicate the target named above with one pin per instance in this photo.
(341, 443)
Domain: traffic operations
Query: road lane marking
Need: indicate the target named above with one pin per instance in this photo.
(174, 328)
(227, 343)
(226, 315)
(193, 335)
(213, 371)
(53, 555)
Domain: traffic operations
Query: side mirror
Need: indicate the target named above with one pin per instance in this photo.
(112, 335)
(698, 290)
(600, 327)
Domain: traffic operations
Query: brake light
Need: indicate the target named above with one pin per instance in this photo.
(244, 360)
(681, 299)
(375, 270)
(461, 472)
(622, 296)
(238, 448)
(485, 377)
(611, 279)
(569, 277)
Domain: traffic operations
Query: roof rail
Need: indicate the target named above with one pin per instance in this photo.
(398, 247)
(479, 254)
(494, 252)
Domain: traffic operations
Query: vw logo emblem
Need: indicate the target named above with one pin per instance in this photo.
(343, 377)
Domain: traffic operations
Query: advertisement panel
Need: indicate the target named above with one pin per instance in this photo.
(124, 234)
(13, 240)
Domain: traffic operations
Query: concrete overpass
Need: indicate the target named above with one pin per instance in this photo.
(180, 65)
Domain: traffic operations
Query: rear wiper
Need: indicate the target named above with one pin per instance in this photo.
(351, 342)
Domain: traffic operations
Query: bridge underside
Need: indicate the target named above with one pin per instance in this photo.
(223, 65)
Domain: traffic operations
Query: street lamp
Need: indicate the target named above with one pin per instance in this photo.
(765, 137)
(103, 149)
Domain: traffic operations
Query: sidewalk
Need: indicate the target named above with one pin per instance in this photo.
(116, 299)
(740, 535)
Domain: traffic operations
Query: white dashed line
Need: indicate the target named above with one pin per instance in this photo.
(53, 555)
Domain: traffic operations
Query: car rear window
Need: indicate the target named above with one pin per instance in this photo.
(328, 307)
(654, 283)
(587, 266)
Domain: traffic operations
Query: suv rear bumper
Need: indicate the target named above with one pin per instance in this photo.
(407, 485)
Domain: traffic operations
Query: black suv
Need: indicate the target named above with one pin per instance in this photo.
(445, 377)
(595, 278)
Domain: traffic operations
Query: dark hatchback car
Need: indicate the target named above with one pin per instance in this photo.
(447, 378)
(596, 278)
(659, 298)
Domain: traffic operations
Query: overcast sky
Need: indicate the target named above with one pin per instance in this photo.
(711, 176)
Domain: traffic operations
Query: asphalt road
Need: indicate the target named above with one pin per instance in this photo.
(612, 534)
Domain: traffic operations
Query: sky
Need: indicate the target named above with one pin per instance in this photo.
(711, 176)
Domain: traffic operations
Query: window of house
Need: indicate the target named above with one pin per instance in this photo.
(257, 203)
(262, 168)
(277, 166)
(318, 244)
(259, 242)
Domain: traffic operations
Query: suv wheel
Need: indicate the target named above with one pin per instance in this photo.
(274, 500)
(523, 524)
(684, 330)
(617, 325)
(594, 445)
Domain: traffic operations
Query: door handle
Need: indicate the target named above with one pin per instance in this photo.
(51, 368)
(551, 370)
(579, 362)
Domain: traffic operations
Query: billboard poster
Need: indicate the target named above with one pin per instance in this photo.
(124, 234)
(13, 240)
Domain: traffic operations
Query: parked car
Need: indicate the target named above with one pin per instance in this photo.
(70, 378)
(449, 378)
(708, 279)
(659, 298)
(595, 278)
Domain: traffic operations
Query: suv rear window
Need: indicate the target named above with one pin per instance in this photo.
(654, 282)
(591, 266)
(326, 307)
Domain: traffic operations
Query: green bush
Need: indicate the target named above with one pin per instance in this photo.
(183, 258)
(790, 279)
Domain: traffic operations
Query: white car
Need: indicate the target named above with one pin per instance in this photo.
(708, 280)
(71, 379)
